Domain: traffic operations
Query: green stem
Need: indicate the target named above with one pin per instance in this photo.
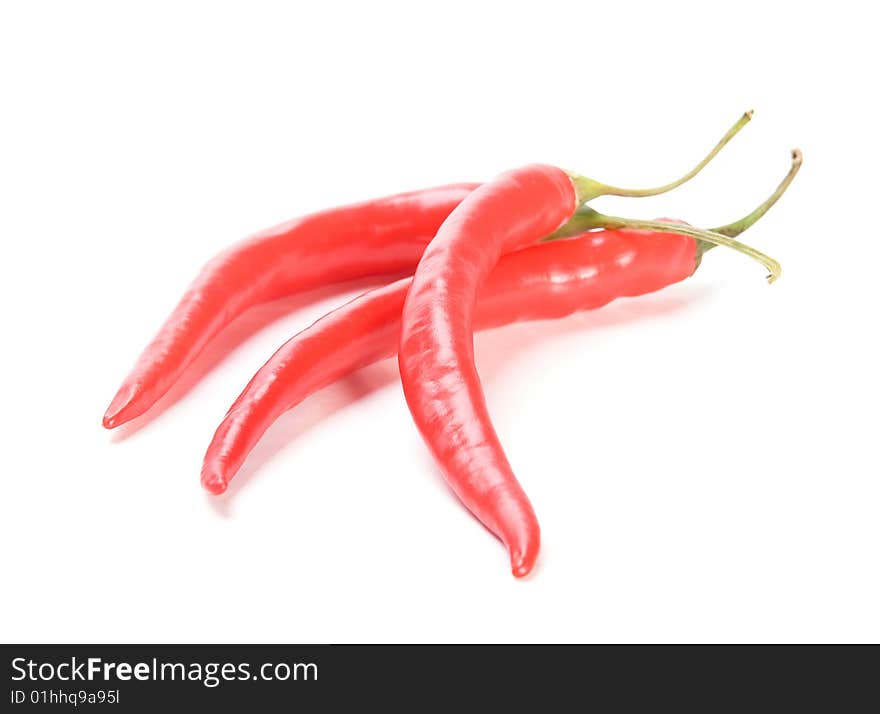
(734, 229)
(586, 219)
(588, 189)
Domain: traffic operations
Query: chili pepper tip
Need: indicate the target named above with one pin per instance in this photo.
(113, 418)
(214, 483)
(521, 569)
(522, 560)
(121, 409)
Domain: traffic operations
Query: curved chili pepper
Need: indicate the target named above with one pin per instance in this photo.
(379, 237)
(435, 356)
(540, 282)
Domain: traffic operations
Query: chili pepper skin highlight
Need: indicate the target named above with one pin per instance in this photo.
(378, 237)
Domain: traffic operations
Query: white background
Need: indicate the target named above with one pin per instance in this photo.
(702, 461)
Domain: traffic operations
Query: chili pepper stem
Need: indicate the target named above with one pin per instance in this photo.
(734, 229)
(587, 189)
(586, 219)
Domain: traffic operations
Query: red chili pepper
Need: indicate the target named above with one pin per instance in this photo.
(437, 370)
(540, 282)
(379, 237)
